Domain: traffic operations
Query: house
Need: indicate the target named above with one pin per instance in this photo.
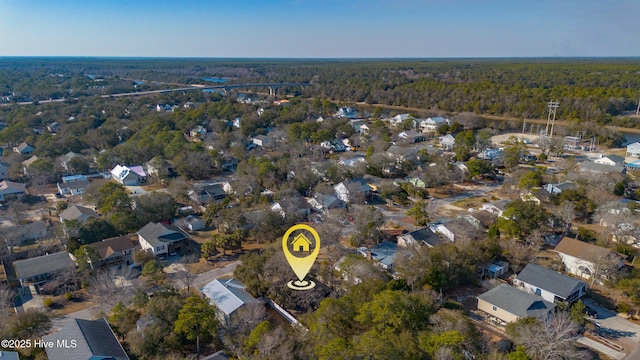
(228, 296)
(116, 251)
(10, 190)
(492, 154)
(300, 243)
(401, 153)
(85, 340)
(208, 192)
(424, 236)
(580, 258)
(229, 164)
(550, 285)
(9, 355)
(53, 127)
(456, 229)
(193, 223)
(384, 254)
(24, 149)
(611, 160)
(32, 231)
(66, 159)
(321, 202)
(595, 168)
(161, 239)
(165, 107)
(432, 124)
(27, 163)
(77, 213)
(355, 190)
(73, 188)
(296, 205)
(351, 160)
(496, 207)
(360, 126)
(505, 304)
(400, 118)
(447, 142)
(129, 176)
(633, 150)
(4, 171)
(333, 145)
(263, 141)
(416, 182)
(481, 219)
(496, 269)
(557, 189)
(39, 269)
(158, 167)
(346, 112)
(411, 136)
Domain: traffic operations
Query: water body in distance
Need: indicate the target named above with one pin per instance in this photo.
(215, 80)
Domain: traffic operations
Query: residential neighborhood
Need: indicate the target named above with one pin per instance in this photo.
(155, 231)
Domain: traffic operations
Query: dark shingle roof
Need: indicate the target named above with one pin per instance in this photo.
(41, 265)
(547, 279)
(517, 302)
(159, 233)
(425, 235)
(94, 340)
(75, 212)
(600, 168)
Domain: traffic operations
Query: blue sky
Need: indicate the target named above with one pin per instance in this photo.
(320, 28)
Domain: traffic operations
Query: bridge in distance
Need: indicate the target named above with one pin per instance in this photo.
(272, 91)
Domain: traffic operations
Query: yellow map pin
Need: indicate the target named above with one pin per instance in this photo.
(301, 246)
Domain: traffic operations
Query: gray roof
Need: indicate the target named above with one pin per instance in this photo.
(10, 187)
(74, 212)
(547, 279)
(425, 235)
(385, 253)
(517, 302)
(41, 265)
(326, 200)
(94, 340)
(74, 184)
(228, 295)
(600, 168)
(357, 185)
(160, 234)
(616, 158)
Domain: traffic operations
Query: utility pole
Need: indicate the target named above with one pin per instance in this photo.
(551, 118)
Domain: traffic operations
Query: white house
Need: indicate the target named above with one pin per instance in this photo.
(24, 149)
(424, 236)
(579, 257)
(228, 296)
(161, 239)
(447, 142)
(321, 202)
(263, 141)
(352, 190)
(611, 160)
(633, 149)
(129, 176)
(432, 124)
(556, 189)
(550, 285)
(399, 119)
(496, 207)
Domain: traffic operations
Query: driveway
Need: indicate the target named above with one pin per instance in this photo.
(617, 329)
(91, 313)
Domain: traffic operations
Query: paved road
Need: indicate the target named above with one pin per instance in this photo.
(618, 329)
(207, 277)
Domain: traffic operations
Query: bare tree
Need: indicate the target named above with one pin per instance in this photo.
(604, 264)
(566, 212)
(518, 252)
(186, 272)
(110, 286)
(6, 299)
(553, 339)
(16, 211)
(240, 325)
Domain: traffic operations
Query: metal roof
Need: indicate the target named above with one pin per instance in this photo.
(227, 295)
(547, 279)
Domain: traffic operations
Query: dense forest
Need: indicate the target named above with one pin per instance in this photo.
(597, 90)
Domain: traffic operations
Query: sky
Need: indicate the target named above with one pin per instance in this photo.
(320, 28)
